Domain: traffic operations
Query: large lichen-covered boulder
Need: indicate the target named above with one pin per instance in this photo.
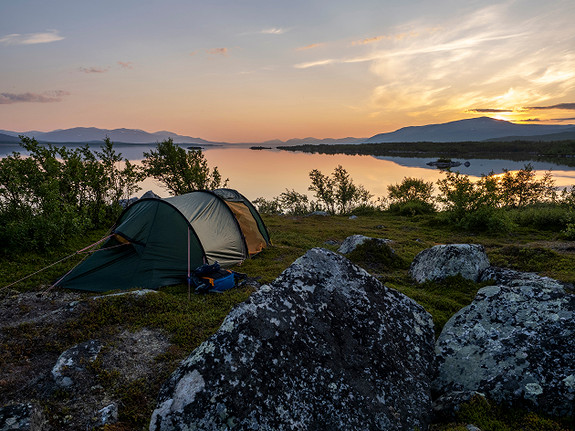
(325, 346)
(514, 344)
(442, 261)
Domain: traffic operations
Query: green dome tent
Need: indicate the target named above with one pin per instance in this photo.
(155, 242)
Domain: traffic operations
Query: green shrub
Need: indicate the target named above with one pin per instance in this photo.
(543, 216)
(337, 194)
(57, 192)
(181, 171)
(411, 208)
(412, 190)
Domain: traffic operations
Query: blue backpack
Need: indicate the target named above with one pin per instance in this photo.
(212, 278)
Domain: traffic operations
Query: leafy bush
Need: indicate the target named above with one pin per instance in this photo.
(543, 216)
(337, 194)
(289, 202)
(411, 190)
(181, 171)
(57, 192)
(522, 188)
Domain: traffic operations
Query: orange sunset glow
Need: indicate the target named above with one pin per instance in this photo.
(258, 71)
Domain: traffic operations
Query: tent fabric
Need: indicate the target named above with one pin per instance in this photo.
(149, 245)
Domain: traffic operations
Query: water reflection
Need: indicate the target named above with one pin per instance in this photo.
(267, 173)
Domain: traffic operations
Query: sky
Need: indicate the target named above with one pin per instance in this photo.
(257, 70)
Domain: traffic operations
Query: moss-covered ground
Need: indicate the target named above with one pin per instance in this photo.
(189, 322)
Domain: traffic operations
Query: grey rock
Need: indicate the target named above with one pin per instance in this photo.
(442, 261)
(351, 242)
(471, 427)
(331, 242)
(510, 277)
(23, 417)
(515, 344)
(72, 363)
(353, 217)
(325, 346)
(105, 416)
(319, 213)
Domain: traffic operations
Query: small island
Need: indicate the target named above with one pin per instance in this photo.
(443, 163)
(258, 147)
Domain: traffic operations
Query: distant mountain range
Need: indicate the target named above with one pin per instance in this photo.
(475, 129)
(93, 135)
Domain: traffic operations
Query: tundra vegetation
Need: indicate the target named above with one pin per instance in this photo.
(522, 220)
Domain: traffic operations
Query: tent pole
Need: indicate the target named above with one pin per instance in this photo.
(189, 281)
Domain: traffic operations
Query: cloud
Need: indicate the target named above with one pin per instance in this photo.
(47, 97)
(218, 51)
(312, 46)
(368, 40)
(31, 38)
(93, 69)
(569, 106)
(274, 30)
(316, 63)
(126, 64)
(488, 110)
(563, 119)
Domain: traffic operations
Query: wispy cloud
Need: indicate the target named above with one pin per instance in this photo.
(397, 36)
(47, 97)
(487, 59)
(126, 64)
(274, 30)
(218, 51)
(93, 69)
(312, 46)
(569, 106)
(488, 110)
(31, 38)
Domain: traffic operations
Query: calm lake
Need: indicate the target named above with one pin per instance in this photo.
(267, 173)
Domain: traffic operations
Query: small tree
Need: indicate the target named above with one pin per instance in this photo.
(181, 171)
(337, 193)
(521, 188)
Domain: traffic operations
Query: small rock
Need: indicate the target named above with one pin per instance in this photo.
(442, 261)
(319, 213)
(106, 416)
(471, 427)
(22, 417)
(331, 242)
(353, 217)
(351, 242)
(73, 362)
